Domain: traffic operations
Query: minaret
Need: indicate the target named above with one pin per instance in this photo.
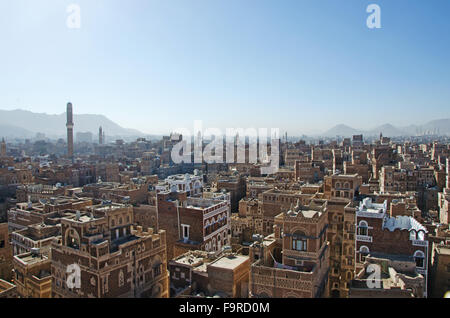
(100, 136)
(3, 148)
(448, 174)
(69, 126)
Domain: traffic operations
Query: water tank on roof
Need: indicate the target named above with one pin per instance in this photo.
(257, 237)
(35, 251)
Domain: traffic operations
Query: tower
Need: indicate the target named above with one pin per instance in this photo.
(100, 136)
(69, 126)
(3, 148)
(448, 173)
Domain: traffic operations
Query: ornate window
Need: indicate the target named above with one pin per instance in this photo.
(72, 239)
(419, 257)
(156, 266)
(363, 228)
(299, 242)
(421, 235)
(363, 252)
(121, 278)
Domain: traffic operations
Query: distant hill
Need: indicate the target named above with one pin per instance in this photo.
(10, 131)
(387, 130)
(341, 130)
(23, 123)
(439, 126)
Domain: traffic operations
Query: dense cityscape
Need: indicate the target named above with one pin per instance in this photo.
(341, 217)
(213, 157)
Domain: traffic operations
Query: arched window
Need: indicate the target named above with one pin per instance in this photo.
(338, 185)
(72, 239)
(363, 228)
(412, 235)
(421, 235)
(363, 252)
(419, 257)
(299, 241)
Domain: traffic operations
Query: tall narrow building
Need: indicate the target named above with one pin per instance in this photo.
(100, 136)
(69, 126)
(3, 148)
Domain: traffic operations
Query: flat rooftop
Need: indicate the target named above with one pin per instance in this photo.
(192, 259)
(443, 250)
(30, 259)
(229, 261)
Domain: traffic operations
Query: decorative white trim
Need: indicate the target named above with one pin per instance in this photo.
(364, 238)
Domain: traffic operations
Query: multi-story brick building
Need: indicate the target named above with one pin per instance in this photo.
(401, 235)
(35, 192)
(247, 222)
(32, 275)
(6, 255)
(273, 202)
(342, 186)
(39, 236)
(255, 186)
(114, 260)
(297, 266)
(397, 278)
(235, 185)
(309, 172)
(198, 273)
(380, 156)
(193, 223)
(192, 184)
(440, 272)
(342, 265)
(25, 214)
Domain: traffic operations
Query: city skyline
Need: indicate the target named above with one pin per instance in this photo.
(299, 66)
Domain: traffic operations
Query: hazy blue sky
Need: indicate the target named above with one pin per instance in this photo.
(302, 66)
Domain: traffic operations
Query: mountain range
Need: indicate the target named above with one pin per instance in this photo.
(439, 126)
(26, 124)
(23, 123)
